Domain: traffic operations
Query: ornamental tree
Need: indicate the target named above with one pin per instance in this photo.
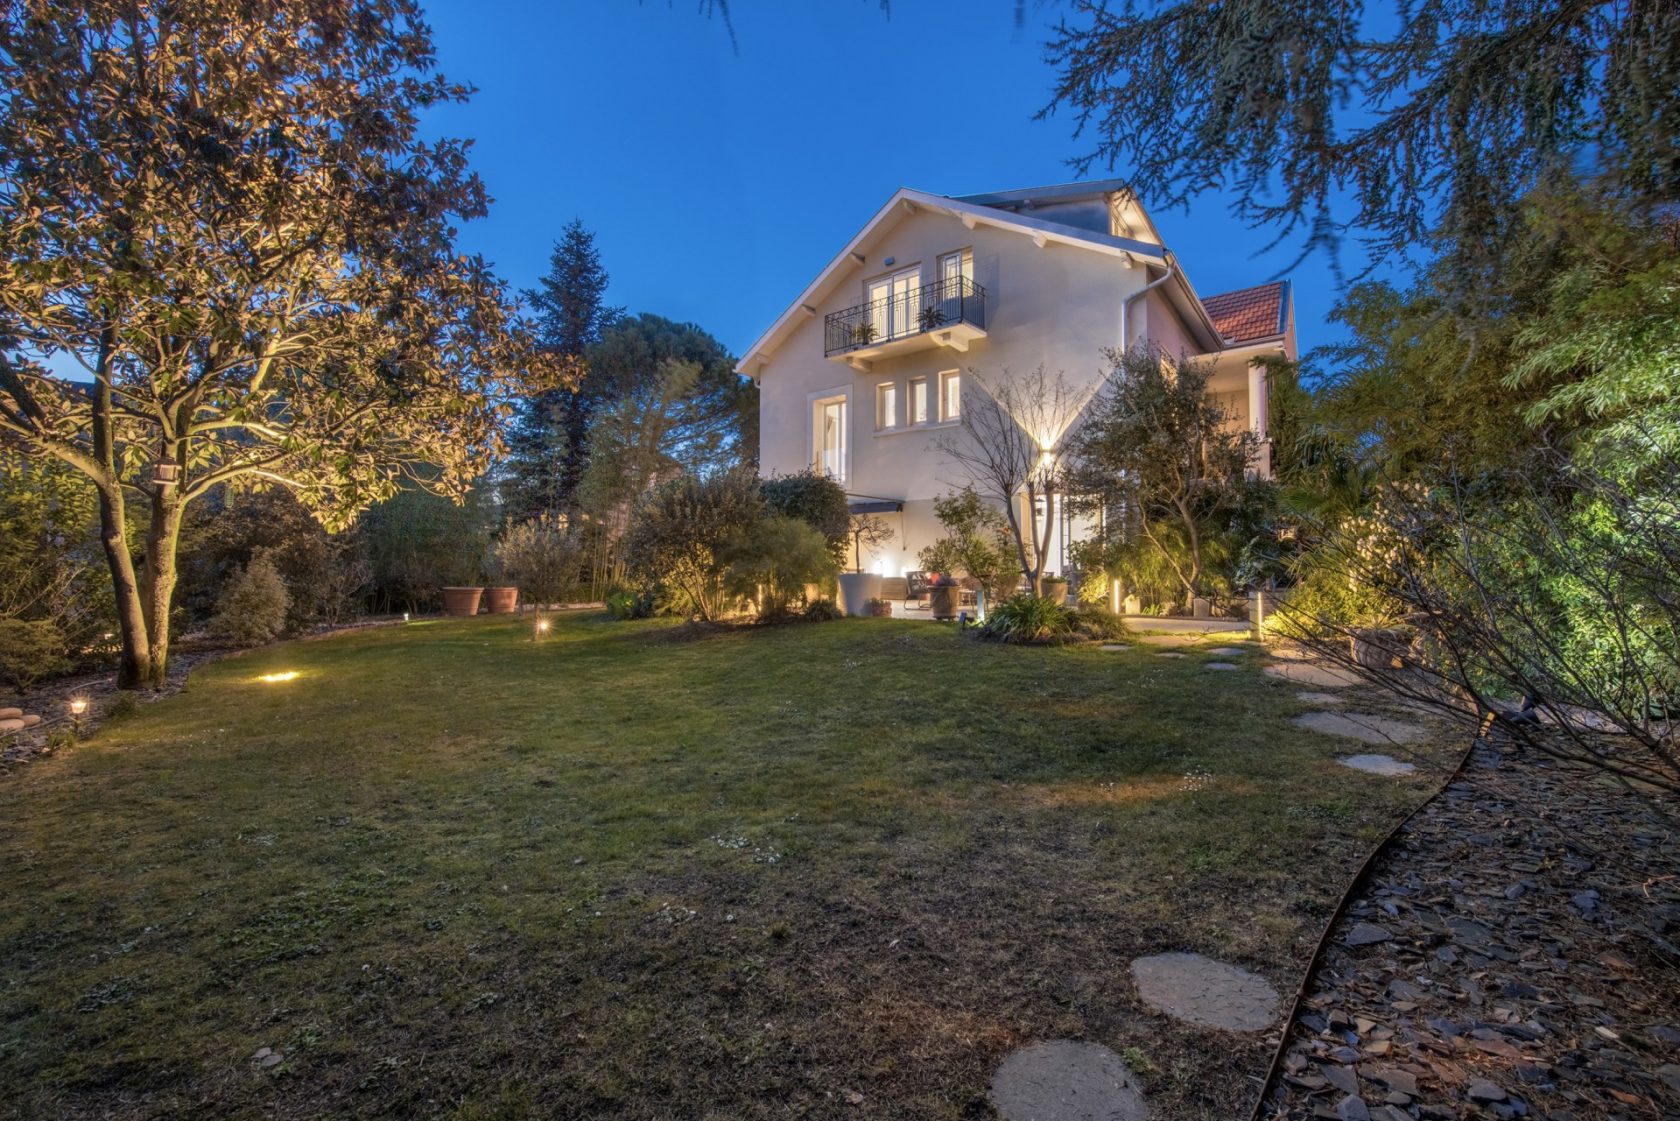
(229, 259)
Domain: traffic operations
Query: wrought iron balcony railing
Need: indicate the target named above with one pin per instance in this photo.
(932, 307)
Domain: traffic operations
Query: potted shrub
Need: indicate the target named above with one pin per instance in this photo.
(864, 333)
(878, 608)
(1055, 588)
(501, 599)
(1379, 647)
(461, 601)
(931, 318)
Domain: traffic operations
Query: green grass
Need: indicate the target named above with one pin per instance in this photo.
(632, 871)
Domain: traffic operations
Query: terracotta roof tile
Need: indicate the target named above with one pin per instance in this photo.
(1248, 313)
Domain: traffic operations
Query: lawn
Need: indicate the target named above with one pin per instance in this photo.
(632, 871)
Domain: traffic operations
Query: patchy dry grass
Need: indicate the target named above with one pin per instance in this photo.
(448, 871)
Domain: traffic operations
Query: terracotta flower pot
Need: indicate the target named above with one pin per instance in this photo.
(501, 601)
(461, 601)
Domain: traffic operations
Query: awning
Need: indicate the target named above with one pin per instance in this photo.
(875, 506)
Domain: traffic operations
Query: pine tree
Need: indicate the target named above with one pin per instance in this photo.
(549, 445)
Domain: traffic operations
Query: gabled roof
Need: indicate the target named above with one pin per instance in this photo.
(1260, 312)
(972, 214)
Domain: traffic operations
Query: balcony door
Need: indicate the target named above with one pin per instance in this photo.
(954, 269)
(893, 303)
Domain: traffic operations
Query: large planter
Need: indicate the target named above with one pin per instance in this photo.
(461, 601)
(1055, 590)
(1379, 647)
(857, 589)
(501, 601)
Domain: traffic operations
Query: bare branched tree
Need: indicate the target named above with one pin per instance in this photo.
(1009, 450)
(1558, 610)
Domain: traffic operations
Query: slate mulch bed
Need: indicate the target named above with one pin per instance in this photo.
(1512, 955)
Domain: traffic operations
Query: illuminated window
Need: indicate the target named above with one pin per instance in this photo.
(828, 437)
(918, 400)
(950, 395)
(886, 405)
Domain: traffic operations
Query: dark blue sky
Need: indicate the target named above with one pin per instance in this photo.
(719, 182)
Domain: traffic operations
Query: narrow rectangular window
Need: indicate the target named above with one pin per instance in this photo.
(950, 395)
(918, 400)
(828, 418)
(886, 405)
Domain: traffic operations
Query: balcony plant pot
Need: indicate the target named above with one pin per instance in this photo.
(857, 589)
(1379, 647)
(944, 597)
(461, 601)
(502, 600)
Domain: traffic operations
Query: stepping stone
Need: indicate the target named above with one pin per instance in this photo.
(1377, 764)
(1203, 991)
(1361, 726)
(1111, 647)
(12, 724)
(1171, 654)
(1319, 698)
(1226, 651)
(10, 713)
(1220, 665)
(1306, 673)
(1063, 1080)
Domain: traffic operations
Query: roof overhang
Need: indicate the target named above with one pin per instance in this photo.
(905, 202)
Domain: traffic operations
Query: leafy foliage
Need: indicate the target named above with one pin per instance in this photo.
(252, 608)
(816, 500)
(977, 544)
(417, 544)
(1028, 618)
(1433, 125)
(773, 561)
(31, 649)
(543, 556)
(51, 566)
(267, 287)
(679, 531)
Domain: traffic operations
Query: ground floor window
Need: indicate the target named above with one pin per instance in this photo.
(828, 437)
(950, 395)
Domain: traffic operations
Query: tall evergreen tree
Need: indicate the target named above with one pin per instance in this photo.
(549, 447)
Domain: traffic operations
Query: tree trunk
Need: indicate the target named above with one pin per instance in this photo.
(162, 539)
(134, 664)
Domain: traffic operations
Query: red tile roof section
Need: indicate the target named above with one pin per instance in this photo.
(1248, 313)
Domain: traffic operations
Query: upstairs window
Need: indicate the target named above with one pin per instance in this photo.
(919, 401)
(950, 395)
(886, 405)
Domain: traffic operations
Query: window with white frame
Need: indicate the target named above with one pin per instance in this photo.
(919, 401)
(886, 405)
(828, 437)
(950, 395)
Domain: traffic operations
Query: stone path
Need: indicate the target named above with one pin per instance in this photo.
(1313, 698)
(1206, 992)
(1169, 639)
(1306, 673)
(1172, 654)
(1362, 726)
(1064, 1080)
(1220, 665)
(1500, 963)
(1377, 764)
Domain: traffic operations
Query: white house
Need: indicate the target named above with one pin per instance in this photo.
(865, 371)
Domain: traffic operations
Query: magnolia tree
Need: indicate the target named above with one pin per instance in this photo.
(228, 258)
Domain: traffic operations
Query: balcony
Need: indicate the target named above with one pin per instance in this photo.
(951, 313)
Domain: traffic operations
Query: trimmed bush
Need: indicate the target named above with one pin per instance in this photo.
(1027, 618)
(816, 500)
(252, 608)
(543, 557)
(31, 650)
(773, 561)
(677, 534)
(823, 611)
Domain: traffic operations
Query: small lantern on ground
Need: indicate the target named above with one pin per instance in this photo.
(78, 706)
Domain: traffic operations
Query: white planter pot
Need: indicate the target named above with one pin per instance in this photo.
(857, 589)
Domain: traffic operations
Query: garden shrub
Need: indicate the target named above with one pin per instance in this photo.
(823, 610)
(543, 557)
(977, 544)
(31, 649)
(816, 500)
(418, 544)
(677, 532)
(252, 608)
(52, 564)
(1098, 623)
(627, 604)
(772, 561)
(1027, 618)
